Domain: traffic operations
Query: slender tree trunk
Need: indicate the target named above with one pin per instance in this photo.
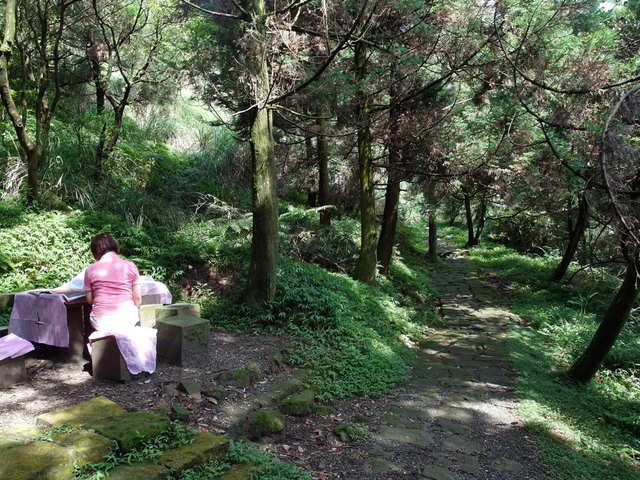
(323, 171)
(574, 240)
(587, 365)
(31, 149)
(365, 269)
(389, 221)
(481, 218)
(468, 215)
(264, 243)
(392, 193)
(432, 253)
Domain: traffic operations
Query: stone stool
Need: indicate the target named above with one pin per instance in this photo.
(151, 313)
(13, 367)
(183, 339)
(12, 370)
(107, 361)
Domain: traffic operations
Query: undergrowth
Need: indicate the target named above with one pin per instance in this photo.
(585, 431)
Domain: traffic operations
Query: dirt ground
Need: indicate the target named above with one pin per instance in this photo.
(308, 442)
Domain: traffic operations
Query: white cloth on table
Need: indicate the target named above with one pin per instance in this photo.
(137, 346)
(13, 346)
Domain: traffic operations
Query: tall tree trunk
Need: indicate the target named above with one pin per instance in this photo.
(432, 253)
(481, 218)
(392, 193)
(323, 171)
(575, 236)
(586, 366)
(468, 215)
(264, 243)
(32, 150)
(365, 269)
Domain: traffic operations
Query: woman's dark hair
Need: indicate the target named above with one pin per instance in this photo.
(103, 243)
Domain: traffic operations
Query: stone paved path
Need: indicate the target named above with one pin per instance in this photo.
(458, 409)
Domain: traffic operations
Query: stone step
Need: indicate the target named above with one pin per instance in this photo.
(87, 433)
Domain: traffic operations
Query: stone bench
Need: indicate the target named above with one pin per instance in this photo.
(183, 340)
(150, 314)
(107, 361)
(13, 368)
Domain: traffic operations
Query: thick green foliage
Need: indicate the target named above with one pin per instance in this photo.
(353, 335)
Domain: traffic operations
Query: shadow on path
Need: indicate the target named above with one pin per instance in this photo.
(458, 411)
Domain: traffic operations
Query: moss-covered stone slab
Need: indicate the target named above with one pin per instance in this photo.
(191, 388)
(404, 435)
(463, 445)
(261, 424)
(237, 378)
(204, 448)
(463, 462)
(131, 430)
(456, 413)
(445, 425)
(279, 391)
(36, 461)
(300, 404)
(85, 446)
(99, 408)
(377, 466)
(242, 471)
(138, 472)
(324, 410)
(407, 412)
(18, 435)
(506, 465)
(434, 472)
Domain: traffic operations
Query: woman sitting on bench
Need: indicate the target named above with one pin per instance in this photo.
(112, 287)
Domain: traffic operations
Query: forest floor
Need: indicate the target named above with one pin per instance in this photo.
(455, 419)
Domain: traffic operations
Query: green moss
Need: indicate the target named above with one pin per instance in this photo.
(323, 410)
(256, 372)
(237, 378)
(260, 424)
(300, 403)
(348, 432)
(200, 335)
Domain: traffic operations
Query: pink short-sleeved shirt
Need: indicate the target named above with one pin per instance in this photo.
(111, 280)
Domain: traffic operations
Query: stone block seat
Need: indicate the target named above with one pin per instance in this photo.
(12, 360)
(107, 361)
(183, 340)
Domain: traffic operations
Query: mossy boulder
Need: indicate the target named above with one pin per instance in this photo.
(238, 378)
(323, 410)
(242, 471)
(132, 429)
(261, 424)
(349, 432)
(256, 372)
(299, 404)
(215, 392)
(204, 448)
